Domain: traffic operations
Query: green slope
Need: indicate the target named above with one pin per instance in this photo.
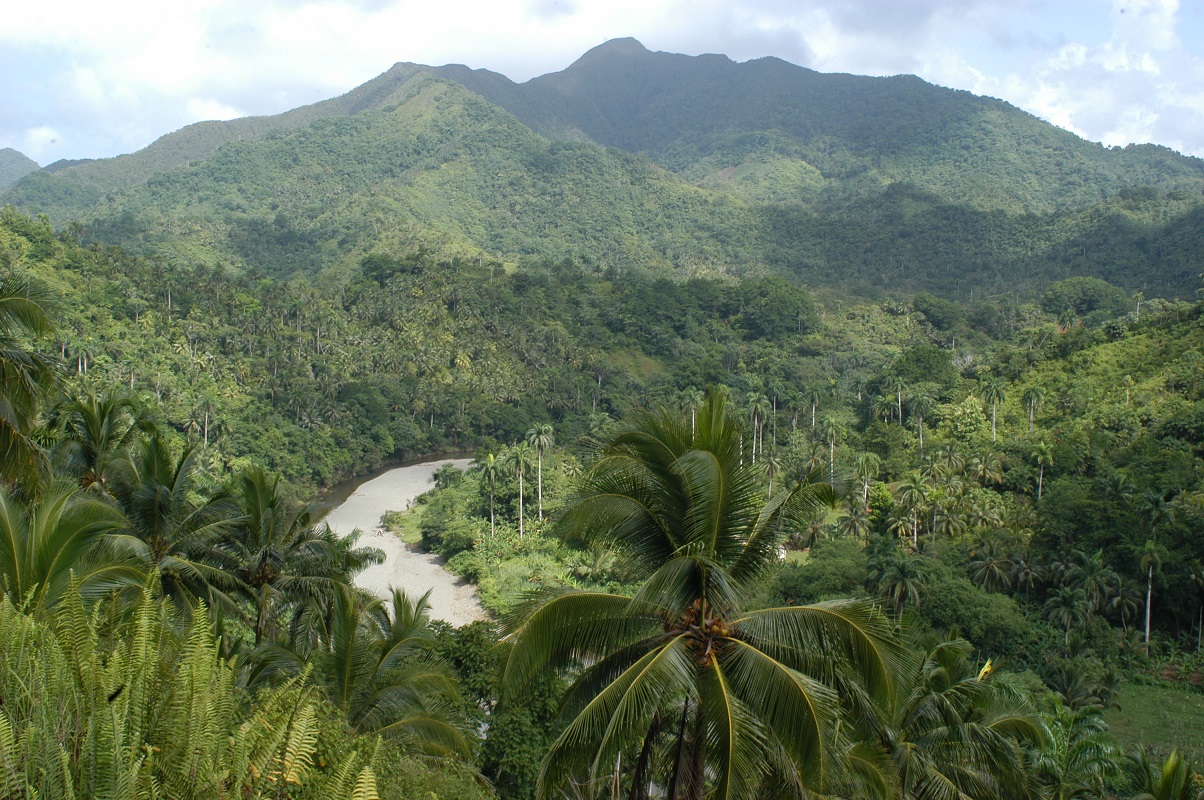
(14, 165)
(439, 168)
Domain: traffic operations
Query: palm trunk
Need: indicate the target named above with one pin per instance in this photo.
(1149, 597)
(492, 526)
(520, 502)
(539, 478)
(1040, 480)
(993, 409)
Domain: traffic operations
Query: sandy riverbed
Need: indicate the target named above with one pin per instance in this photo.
(452, 598)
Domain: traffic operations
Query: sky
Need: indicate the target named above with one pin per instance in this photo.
(87, 79)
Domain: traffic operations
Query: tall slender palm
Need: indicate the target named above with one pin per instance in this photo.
(690, 399)
(992, 571)
(896, 386)
(26, 377)
(541, 439)
(490, 469)
(519, 458)
(281, 556)
(813, 396)
(166, 530)
(1197, 582)
(913, 494)
(866, 466)
(1149, 557)
(832, 431)
(994, 392)
(1032, 397)
(1043, 455)
(683, 679)
(920, 406)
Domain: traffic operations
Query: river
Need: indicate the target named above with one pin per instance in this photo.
(360, 504)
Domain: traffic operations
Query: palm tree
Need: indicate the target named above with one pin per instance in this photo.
(993, 391)
(690, 399)
(913, 493)
(96, 429)
(540, 439)
(1077, 759)
(1149, 557)
(921, 405)
(683, 677)
(1197, 581)
(377, 667)
(1032, 398)
(166, 531)
(519, 458)
(954, 730)
(896, 385)
(1173, 780)
(989, 570)
(1066, 607)
(26, 376)
(832, 431)
(1043, 455)
(47, 542)
(902, 580)
(491, 470)
(1027, 574)
(813, 397)
(866, 466)
(281, 556)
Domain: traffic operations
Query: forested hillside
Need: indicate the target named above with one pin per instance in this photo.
(666, 164)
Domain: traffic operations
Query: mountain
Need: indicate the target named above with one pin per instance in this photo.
(656, 161)
(14, 166)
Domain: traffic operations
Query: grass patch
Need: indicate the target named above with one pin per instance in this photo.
(405, 525)
(1160, 718)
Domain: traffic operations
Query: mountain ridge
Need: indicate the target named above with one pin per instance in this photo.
(765, 165)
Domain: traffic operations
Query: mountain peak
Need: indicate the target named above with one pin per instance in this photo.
(627, 47)
(14, 165)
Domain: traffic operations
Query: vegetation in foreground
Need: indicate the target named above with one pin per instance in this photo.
(108, 502)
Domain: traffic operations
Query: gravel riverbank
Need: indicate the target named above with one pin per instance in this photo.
(452, 598)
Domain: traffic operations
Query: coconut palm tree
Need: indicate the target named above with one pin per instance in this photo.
(541, 439)
(26, 377)
(374, 660)
(901, 580)
(282, 556)
(683, 679)
(94, 430)
(1066, 607)
(954, 730)
(166, 530)
(896, 386)
(1197, 582)
(991, 571)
